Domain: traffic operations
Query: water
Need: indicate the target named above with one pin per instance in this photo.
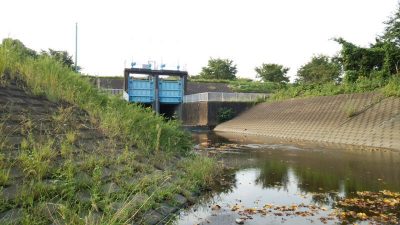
(275, 174)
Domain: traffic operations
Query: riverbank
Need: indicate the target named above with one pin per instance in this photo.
(57, 165)
(366, 120)
(70, 154)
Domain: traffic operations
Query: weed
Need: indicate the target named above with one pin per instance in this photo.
(350, 110)
(26, 126)
(393, 87)
(225, 114)
(36, 161)
(96, 185)
(25, 144)
(71, 137)
(67, 174)
(66, 149)
(4, 176)
(127, 156)
(199, 170)
(158, 137)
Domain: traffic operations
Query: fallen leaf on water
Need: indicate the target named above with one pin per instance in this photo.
(235, 207)
(215, 207)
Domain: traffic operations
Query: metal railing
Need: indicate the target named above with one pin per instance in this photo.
(113, 91)
(224, 97)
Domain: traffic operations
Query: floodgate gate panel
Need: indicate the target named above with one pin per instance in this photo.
(163, 90)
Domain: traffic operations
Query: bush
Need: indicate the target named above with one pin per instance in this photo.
(393, 87)
(225, 114)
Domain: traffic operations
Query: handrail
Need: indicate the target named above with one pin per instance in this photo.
(224, 97)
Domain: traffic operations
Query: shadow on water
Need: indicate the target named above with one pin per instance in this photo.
(274, 172)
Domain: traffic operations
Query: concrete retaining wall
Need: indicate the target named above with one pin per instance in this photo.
(205, 113)
(356, 119)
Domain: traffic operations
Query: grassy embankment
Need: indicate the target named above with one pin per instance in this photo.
(279, 92)
(54, 168)
(388, 88)
(244, 85)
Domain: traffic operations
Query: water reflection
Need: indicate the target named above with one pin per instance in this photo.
(322, 170)
(283, 174)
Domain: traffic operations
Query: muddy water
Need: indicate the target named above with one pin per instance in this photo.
(272, 174)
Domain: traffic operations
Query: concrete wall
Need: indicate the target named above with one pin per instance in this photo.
(205, 113)
(367, 119)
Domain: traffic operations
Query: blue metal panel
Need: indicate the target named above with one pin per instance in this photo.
(141, 90)
(170, 91)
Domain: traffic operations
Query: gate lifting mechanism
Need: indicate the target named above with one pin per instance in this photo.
(153, 89)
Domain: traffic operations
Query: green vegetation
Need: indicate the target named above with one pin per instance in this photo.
(321, 69)
(219, 69)
(355, 70)
(272, 73)
(244, 85)
(351, 110)
(375, 68)
(225, 114)
(136, 125)
(61, 56)
(363, 84)
(93, 158)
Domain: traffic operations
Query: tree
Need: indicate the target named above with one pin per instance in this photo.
(390, 42)
(60, 56)
(219, 69)
(272, 72)
(320, 69)
(358, 61)
(392, 29)
(379, 60)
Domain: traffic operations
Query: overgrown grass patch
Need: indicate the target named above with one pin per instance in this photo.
(200, 171)
(363, 84)
(393, 87)
(132, 123)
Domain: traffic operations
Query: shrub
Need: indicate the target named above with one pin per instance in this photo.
(225, 114)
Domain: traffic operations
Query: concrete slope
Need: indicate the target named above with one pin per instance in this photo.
(366, 119)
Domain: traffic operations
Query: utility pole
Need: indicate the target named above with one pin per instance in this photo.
(76, 47)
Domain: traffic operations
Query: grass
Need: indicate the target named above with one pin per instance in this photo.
(4, 176)
(245, 85)
(287, 91)
(350, 110)
(36, 159)
(132, 123)
(57, 164)
(387, 88)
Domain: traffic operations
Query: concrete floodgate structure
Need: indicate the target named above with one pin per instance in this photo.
(366, 120)
(201, 109)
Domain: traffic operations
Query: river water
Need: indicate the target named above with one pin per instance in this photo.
(276, 182)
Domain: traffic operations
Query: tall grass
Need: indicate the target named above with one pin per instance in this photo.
(363, 84)
(129, 122)
(393, 87)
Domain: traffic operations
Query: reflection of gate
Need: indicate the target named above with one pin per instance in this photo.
(171, 91)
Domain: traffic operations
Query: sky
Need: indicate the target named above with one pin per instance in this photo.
(112, 34)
